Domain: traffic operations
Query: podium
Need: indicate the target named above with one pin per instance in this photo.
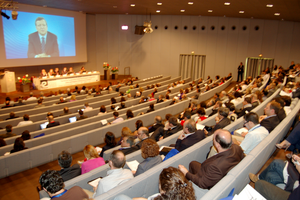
(8, 83)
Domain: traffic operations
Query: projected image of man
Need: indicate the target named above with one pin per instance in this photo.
(42, 43)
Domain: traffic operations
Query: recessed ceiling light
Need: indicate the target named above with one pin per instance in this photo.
(132, 5)
(190, 3)
(44, 6)
(115, 6)
(210, 11)
(158, 11)
(277, 14)
(182, 10)
(124, 27)
(269, 5)
(226, 3)
(282, 19)
(241, 11)
(159, 4)
(126, 13)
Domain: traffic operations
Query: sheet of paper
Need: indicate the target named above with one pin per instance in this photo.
(94, 183)
(241, 130)
(248, 193)
(133, 165)
(104, 122)
(170, 148)
(200, 126)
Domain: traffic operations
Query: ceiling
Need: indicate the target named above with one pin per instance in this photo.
(288, 9)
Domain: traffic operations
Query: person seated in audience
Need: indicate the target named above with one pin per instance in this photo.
(157, 123)
(92, 159)
(113, 100)
(127, 145)
(150, 98)
(281, 113)
(237, 98)
(124, 133)
(112, 108)
(43, 73)
(215, 108)
(129, 114)
(137, 94)
(254, 101)
(12, 115)
(296, 90)
(89, 96)
(270, 119)
(20, 102)
(190, 136)
(61, 100)
(255, 134)
(40, 104)
(232, 115)
(26, 135)
(160, 99)
(26, 121)
(8, 132)
(82, 91)
(87, 107)
(73, 98)
(116, 175)
(275, 173)
(142, 135)
(67, 171)
(52, 182)
(160, 133)
(19, 145)
(129, 97)
(186, 115)
(184, 97)
(52, 123)
(31, 97)
(287, 103)
(42, 96)
(151, 108)
(247, 107)
(110, 142)
(7, 105)
(117, 118)
(142, 100)
(102, 110)
(167, 98)
(221, 121)
(81, 115)
(98, 93)
(56, 72)
(138, 124)
(109, 86)
(205, 175)
(122, 106)
(65, 111)
(2, 142)
(150, 152)
(201, 115)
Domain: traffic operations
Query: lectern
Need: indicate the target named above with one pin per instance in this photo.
(8, 83)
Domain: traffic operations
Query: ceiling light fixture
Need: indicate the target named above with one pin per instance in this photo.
(190, 3)
(210, 11)
(158, 11)
(132, 5)
(241, 11)
(159, 4)
(276, 14)
(226, 3)
(269, 5)
(9, 5)
(182, 10)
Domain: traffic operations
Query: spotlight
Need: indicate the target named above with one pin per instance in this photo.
(5, 15)
(14, 14)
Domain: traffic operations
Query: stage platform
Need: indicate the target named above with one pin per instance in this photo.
(15, 95)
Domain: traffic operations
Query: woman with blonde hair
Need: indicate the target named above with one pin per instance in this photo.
(73, 98)
(93, 160)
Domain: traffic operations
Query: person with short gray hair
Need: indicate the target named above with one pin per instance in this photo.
(221, 121)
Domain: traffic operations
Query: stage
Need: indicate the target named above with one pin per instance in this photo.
(15, 95)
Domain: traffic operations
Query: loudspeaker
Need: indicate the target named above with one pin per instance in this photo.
(139, 30)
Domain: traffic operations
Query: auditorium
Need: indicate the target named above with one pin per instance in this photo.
(93, 83)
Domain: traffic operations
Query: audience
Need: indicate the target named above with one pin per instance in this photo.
(52, 123)
(110, 142)
(19, 145)
(8, 132)
(26, 135)
(81, 115)
(26, 121)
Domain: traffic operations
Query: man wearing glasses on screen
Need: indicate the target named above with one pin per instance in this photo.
(42, 43)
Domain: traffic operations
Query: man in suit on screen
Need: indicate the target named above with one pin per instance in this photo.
(42, 43)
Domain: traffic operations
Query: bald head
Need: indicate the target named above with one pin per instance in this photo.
(117, 159)
(189, 126)
(143, 133)
(222, 140)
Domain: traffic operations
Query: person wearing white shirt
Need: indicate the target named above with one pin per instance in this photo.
(117, 118)
(87, 107)
(26, 121)
(116, 175)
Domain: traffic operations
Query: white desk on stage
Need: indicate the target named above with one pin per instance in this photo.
(64, 81)
(8, 82)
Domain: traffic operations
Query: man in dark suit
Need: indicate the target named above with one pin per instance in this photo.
(189, 136)
(127, 145)
(270, 120)
(42, 43)
(240, 72)
(158, 123)
(52, 123)
(67, 172)
(143, 134)
(296, 93)
(207, 174)
(160, 133)
(247, 107)
(221, 121)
